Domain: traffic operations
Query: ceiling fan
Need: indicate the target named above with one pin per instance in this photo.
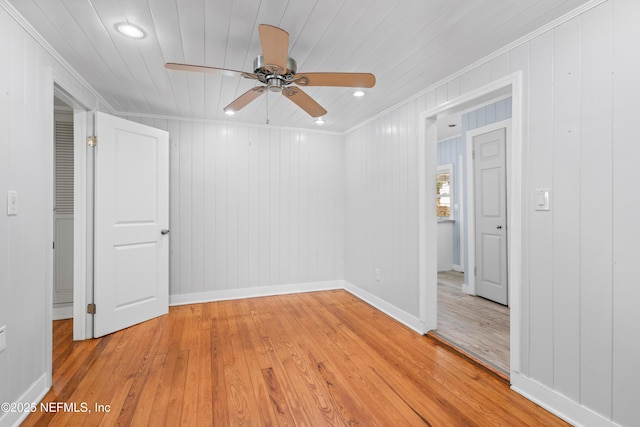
(278, 73)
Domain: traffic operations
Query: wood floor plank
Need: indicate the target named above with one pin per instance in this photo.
(243, 408)
(474, 325)
(363, 380)
(288, 405)
(320, 358)
(303, 388)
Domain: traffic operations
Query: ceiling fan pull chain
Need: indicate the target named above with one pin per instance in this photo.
(267, 121)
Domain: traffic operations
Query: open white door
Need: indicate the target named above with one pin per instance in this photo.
(491, 216)
(131, 258)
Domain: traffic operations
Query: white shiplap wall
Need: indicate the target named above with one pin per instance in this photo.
(579, 290)
(580, 294)
(252, 207)
(26, 166)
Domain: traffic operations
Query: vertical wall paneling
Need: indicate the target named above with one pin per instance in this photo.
(220, 191)
(186, 221)
(304, 224)
(234, 148)
(253, 207)
(253, 224)
(482, 75)
(500, 66)
(540, 240)
(174, 200)
(626, 205)
(453, 88)
(294, 207)
(596, 209)
(197, 200)
(284, 177)
(274, 206)
(243, 146)
(264, 202)
(411, 214)
(566, 208)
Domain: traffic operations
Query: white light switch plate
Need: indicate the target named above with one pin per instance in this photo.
(541, 201)
(3, 338)
(12, 203)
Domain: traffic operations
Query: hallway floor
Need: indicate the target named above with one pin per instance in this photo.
(473, 324)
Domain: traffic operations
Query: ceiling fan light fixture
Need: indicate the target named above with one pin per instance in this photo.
(319, 121)
(275, 85)
(358, 93)
(130, 30)
(229, 112)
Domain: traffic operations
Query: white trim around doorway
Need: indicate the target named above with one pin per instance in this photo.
(427, 249)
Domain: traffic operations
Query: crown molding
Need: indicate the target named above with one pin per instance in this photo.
(225, 123)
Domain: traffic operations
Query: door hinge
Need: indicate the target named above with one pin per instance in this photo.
(54, 245)
(92, 141)
(91, 308)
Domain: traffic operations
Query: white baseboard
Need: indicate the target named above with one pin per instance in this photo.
(263, 291)
(557, 403)
(62, 311)
(393, 311)
(231, 294)
(33, 395)
(457, 268)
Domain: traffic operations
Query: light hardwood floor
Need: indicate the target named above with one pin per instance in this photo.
(321, 358)
(476, 326)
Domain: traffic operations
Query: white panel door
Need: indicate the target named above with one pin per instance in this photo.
(491, 216)
(131, 268)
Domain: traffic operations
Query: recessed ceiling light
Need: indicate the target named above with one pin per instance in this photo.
(358, 93)
(229, 112)
(319, 121)
(130, 30)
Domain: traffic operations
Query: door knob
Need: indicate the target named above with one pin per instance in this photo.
(498, 227)
(164, 231)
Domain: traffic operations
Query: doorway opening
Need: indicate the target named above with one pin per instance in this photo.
(63, 218)
(450, 292)
(473, 315)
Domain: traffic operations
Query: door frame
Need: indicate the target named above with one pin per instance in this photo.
(83, 211)
(427, 247)
(470, 286)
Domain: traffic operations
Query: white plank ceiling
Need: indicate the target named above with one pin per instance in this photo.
(408, 44)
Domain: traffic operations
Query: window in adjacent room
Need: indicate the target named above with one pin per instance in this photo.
(444, 191)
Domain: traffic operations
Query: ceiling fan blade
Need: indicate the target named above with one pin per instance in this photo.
(364, 80)
(304, 101)
(241, 101)
(212, 70)
(275, 45)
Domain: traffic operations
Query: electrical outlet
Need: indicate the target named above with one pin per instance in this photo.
(377, 274)
(3, 338)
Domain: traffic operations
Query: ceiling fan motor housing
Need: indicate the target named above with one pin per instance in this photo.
(261, 68)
